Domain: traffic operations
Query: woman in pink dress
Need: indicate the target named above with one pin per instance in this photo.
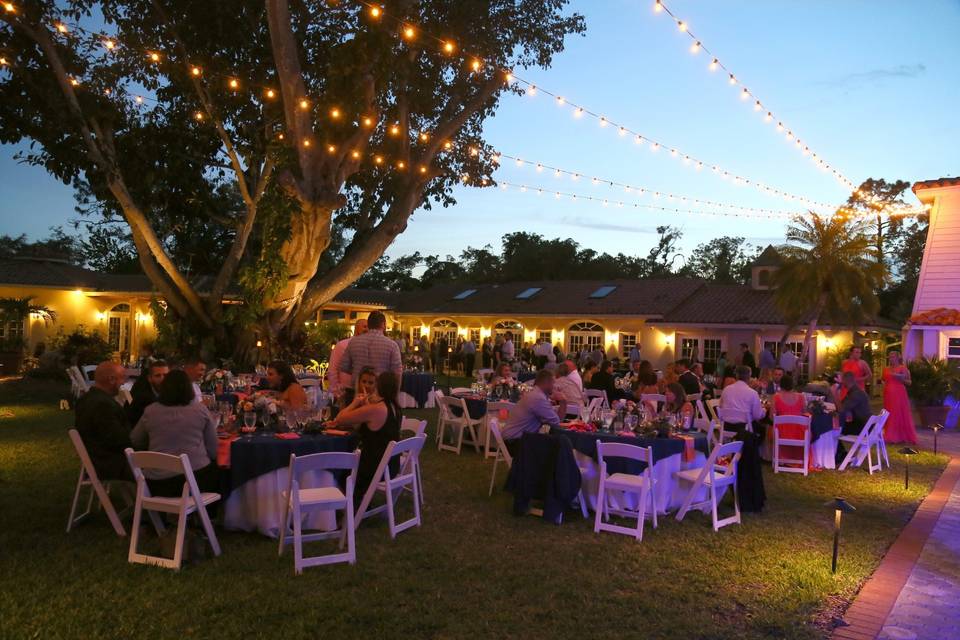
(788, 402)
(896, 377)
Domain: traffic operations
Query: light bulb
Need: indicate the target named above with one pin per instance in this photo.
(368, 121)
(401, 165)
(423, 136)
(109, 44)
(423, 169)
(154, 56)
(394, 130)
(560, 101)
(578, 112)
(198, 116)
(655, 146)
(355, 154)
(195, 71)
(744, 94)
(475, 65)
(447, 145)
(375, 12)
(657, 7)
(681, 25)
(9, 7)
(409, 33)
(448, 47)
(733, 80)
(714, 64)
(306, 143)
(234, 83)
(757, 106)
(62, 28)
(768, 117)
(539, 167)
(378, 159)
(138, 99)
(331, 148)
(335, 113)
(695, 47)
(638, 139)
(304, 104)
(622, 131)
(603, 121)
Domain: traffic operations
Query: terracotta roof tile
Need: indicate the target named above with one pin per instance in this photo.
(937, 317)
(935, 184)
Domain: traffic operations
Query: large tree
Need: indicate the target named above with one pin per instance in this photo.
(301, 135)
(726, 259)
(831, 269)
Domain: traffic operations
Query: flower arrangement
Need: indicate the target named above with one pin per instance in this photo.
(817, 406)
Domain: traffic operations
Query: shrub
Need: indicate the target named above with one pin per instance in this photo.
(82, 347)
(932, 380)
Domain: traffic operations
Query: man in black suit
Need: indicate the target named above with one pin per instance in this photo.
(146, 390)
(103, 424)
(687, 379)
(747, 359)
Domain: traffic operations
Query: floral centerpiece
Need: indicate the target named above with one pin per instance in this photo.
(817, 406)
(414, 362)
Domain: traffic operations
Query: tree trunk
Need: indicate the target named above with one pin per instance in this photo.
(811, 329)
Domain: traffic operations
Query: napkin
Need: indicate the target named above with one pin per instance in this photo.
(286, 436)
(223, 451)
(336, 432)
(689, 453)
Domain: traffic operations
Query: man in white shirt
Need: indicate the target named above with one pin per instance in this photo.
(336, 379)
(567, 386)
(196, 369)
(788, 361)
(543, 350)
(574, 374)
(740, 403)
(507, 350)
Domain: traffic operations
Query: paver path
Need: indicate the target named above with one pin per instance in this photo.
(928, 607)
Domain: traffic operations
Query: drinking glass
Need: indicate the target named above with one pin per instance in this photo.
(607, 417)
(249, 421)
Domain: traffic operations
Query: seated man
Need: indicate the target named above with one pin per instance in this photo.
(196, 370)
(146, 389)
(741, 403)
(566, 385)
(687, 379)
(854, 410)
(103, 425)
(534, 410)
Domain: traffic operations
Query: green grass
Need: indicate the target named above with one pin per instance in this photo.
(472, 569)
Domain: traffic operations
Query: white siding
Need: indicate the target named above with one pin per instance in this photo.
(939, 284)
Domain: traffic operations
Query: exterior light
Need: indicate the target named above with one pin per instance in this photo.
(259, 343)
(840, 507)
(907, 452)
(936, 429)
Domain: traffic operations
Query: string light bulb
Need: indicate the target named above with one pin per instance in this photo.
(375, 12)
(695, 47)
(744, 94)
(335, 113)
(109, 45)
(424, 136)
(394, 130)
(448, 47)
(733, 80)
(681, 25)
(578, 113)
(304, 104)
(62, 28)
(138, 99)
(271, 94)
(757, 106)
(532, 90)
(74, 82)
(198, 116)
(9, 7)
(560, 101)
(355, 154)
(331, 148)
(306, 142)
(768, 117)
(368, 121)
(423, 169)
(657, 7)
(195, 71)
(714, 64)
(475, 64)
(409, 32)
(154, 56)
(3, 61)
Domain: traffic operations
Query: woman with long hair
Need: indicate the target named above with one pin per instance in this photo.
(676, 403)
(896, 378)
(376, 420)
(280, 378)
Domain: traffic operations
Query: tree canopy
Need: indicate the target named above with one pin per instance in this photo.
(279, 145)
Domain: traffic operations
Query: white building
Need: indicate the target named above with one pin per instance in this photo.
(934, 327)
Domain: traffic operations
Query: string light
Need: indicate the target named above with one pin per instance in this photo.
(409, 33)
(476, 64)
(448, 47)
(9, 7)
(154, 56)
(335, 113)
(234, 83)
(195, 71)
(271, 94)
(375, 12)
(745, 93)
(62, 28)
(198, 116)
(109, 45)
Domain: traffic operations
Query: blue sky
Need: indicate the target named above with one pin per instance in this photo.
(872, 86)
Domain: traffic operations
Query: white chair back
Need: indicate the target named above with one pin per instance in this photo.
(494, 411)
(413, 427)
(640, 485)
(459, 423)
(483, 375)
(297, 500)
(459, 390)
(862, 446)
(712, 406)
(789, 465)
(88, 478)
(719, 473)
(191, 500)
(392, 487)
(593, 394)
(88, 371)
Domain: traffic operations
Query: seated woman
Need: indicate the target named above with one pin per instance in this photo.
(676, 404)
(589, 369)
(175, 424)
(280, 378)
(646, 384)
(604, 380)
(376, 419)
(503, 375)
(788, 402)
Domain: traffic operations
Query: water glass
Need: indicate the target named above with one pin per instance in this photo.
(249, 421)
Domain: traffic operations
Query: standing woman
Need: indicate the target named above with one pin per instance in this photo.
(377, 422)
(896, 378)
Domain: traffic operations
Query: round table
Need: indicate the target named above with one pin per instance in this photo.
(417, 385)
(476, 405)
(259, 473)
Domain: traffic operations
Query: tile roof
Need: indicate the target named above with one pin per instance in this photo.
(651, 297)
(936, 317)
(725, 304)
(386, 299)
(769, 258)
(48, 272)
(936, 184)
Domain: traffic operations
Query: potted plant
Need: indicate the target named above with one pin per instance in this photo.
(932, 381)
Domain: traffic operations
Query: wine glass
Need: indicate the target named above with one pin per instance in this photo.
(607, 417)
(249, 422)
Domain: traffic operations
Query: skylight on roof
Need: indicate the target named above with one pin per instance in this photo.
(463, 295)
(526, 294)
(603, 292)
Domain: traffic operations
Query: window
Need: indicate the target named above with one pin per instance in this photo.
(504, 327)
(773, 346)
(445, 329)
(627, 342)
(474, 335)
(712, 348)
(545, 336)
(763, 278)
(415, 333)
(118, 328)
(463, 295)
(690, 348)
(953, 347)
(11, 328)
(603, 291)
(526, 294)
(585, 335)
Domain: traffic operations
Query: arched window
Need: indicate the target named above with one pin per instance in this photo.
(512, 327)
(446, 329)
(584, 335)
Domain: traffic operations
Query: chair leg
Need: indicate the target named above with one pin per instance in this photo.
(419, 482)
(135, 528)
(653, 502)
(181, 536)
(599, 508)
(641, 513)
(416, 499)
(460, 429)
(391, 517)
(713, 502)
(351, 533)
(208, 529)
(284, 524)
(493, 476)
(76, 499)
(582, 499)
(107, 505)
(297, 539)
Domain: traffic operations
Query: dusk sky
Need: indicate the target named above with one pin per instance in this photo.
(872, 86)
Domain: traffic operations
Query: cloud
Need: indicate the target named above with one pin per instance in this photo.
(875, 76)
(604, 226)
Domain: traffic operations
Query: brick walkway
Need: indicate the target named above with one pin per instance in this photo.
(914, 591)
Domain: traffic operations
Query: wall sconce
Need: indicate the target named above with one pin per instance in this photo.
(840, 507)
(101, 315)
(907, 452)
(259, 343)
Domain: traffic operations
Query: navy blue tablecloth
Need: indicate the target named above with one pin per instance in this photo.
(263, 453)
(586, 443)
(476, 407)
(526, 375)
(820, 424)
(417, 385)
(544, 469)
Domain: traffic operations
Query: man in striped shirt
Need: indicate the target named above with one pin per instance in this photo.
(372, 349)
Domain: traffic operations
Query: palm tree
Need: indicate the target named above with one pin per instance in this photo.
(18, 309)
(830, 269)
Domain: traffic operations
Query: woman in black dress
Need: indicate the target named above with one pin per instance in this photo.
(376, 419)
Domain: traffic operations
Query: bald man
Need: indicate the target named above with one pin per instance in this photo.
(103, 424)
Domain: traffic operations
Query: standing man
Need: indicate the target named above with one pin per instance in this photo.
(337, 381)
(634, 354)
(508, 351)
(146, 389)
(767, 362)
(103, 425)
(469, 352)
(788, 361)
(747, 359)
(196, 369)
(372, 349)
(740, 402)
(486, 354)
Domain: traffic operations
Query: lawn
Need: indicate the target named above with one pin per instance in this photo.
(472, 569)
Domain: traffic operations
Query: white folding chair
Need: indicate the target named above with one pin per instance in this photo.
(788, 465)
(640, 485)
(701, 410)
(296, 501)
(712, 406)
(861, 447)
(494, 410)
(656, 400)
(878, 441)
(413, 428)
(78, 384)
(458, 390)
(717, 474)
(88, 372)
(443, 413)
(717, 435)
(123, 397)
(592, 394)
(190, 501)
(501, 452)
(694, 397)
(392, 487)
(88, 478)
(460, 424)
